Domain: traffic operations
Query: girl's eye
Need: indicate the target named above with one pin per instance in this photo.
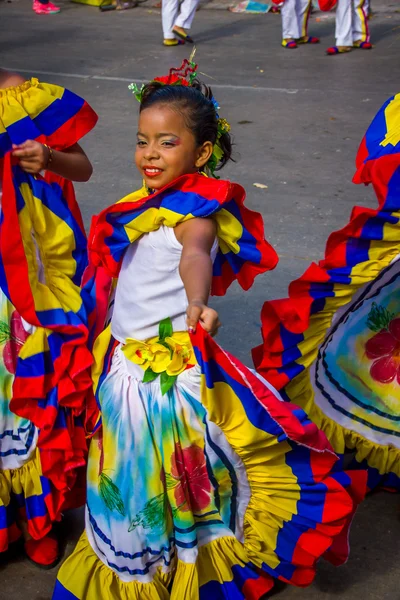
(141, 143)
(168, 144)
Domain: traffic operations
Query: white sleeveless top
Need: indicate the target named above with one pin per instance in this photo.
(150, 288)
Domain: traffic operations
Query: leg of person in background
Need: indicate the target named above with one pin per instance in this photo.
(304, 8)
(185, 19)
(169, 12)
(291, 28)
(361, 35)
(45, 7)
(344, 28)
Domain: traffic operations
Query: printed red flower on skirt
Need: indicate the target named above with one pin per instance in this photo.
(13, 336)
(189, 469)
(384, 347)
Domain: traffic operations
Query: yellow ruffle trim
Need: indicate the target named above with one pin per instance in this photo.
(24, 480)
(16, 90)
(386, 459)
(86, 577)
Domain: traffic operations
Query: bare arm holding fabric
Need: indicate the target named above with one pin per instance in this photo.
(197, 238)
(72, 163)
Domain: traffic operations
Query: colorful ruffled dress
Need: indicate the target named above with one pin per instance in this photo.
(333, 347)
(44, 359)
(202, 483)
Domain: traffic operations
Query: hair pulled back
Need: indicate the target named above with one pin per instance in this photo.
(195, 104)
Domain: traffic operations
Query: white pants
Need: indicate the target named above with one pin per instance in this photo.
(173, 14)
(352, 22)
(295, 14)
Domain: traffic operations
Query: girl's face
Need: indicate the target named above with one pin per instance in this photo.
(166, 148)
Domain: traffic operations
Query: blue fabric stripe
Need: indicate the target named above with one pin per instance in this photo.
(8, 515)
(233, 477)
(393, 195)
(22, 451)
(291, 371)
(376, 131)
(197, 525)
(257, 414)
(35, 366)
(231, 590)
(57, 315)
(220, 591)
(58, 112)
(310, 508)
(47, 122)
(185, 203)
(147, 550)
(35, 505)
(61, 593)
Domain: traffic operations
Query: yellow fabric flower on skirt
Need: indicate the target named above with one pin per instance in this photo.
(148, 354)
(182, 353)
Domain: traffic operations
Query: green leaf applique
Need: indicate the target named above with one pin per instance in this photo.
(379, 317)
(110, 494)
(165, 329)
(5, 332)
(166, 382)
(152, 515)
(149, 375)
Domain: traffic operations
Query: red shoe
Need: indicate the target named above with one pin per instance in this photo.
(338, 50)
(45, 9)
(289, 44)
(308, 39)
(363, 45)
(43, 553)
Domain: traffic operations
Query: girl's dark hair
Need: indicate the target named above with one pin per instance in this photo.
(195, 104)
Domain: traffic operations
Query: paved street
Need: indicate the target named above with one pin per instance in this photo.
(297, 118)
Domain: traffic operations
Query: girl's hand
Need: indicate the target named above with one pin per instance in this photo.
(208, 317)
(33, 156)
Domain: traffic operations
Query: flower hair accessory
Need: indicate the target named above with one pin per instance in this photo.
(185, 75)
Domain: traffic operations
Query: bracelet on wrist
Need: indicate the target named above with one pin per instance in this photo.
(49, 156)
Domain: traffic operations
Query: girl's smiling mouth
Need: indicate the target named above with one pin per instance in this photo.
(152, 171)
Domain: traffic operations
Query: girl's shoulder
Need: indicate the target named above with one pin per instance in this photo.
(9, 79)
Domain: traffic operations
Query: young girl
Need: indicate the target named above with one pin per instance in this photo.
(202, 483)
(43, 330)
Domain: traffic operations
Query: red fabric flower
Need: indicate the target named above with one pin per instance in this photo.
(188, 466)
(16, 339)
(384, 349)
(178, 76)
(171, 80)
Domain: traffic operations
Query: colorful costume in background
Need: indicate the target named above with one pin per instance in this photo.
(179, 14)
(333, 346)
(44, 361)
(202, 483)
(295, 16)
(352, 22)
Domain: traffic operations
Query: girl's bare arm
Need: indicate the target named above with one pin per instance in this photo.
(72, 163)
(197, 238)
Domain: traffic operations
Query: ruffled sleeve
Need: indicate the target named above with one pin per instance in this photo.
(296, 329)
(45, 112)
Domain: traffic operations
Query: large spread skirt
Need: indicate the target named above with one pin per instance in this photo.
(333, 346)
(209, 491)
(44, 362)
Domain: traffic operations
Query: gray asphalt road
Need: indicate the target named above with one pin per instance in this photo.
(297, 118)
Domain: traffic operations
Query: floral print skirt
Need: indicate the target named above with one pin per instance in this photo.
(20, 483)
(149, 490)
